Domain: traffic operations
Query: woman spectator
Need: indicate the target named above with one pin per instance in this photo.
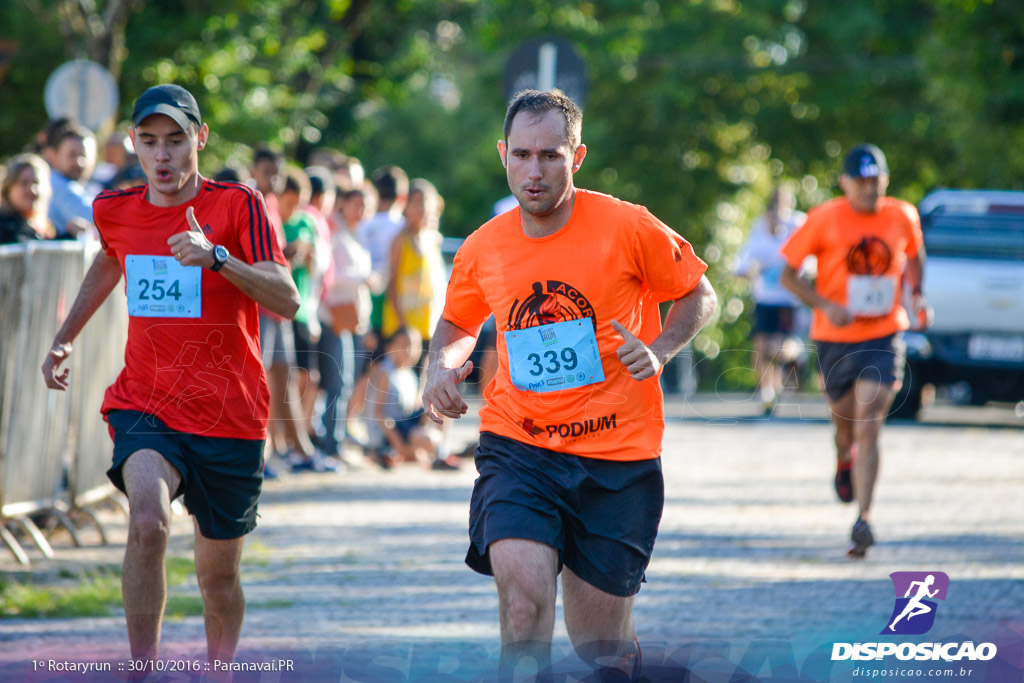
(344, 314)
(25, 200)
(416, 285)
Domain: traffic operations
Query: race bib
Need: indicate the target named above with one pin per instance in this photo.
(553, 357)
(870, 295)
(160, 287)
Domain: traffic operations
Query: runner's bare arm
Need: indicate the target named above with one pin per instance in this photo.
(922, 314)
(836, 314)
(99, 282)
(265, 282)
(687, 315)
(449, 364)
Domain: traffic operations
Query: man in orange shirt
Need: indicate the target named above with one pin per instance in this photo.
(188, 413)
(570, 443)
(867, 245)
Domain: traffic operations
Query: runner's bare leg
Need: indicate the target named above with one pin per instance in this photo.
(600, 624)
(150, 482)
(872, 401)
(217, 571)
(844, 415)
(525, 572)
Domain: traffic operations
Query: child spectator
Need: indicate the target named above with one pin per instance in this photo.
(397, 427)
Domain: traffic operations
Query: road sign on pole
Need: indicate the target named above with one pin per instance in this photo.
(545, 63)
(83, 91)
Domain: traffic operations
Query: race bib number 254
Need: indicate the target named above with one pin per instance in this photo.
(160, 287)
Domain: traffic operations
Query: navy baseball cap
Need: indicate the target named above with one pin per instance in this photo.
(865, 161)
(169, 100)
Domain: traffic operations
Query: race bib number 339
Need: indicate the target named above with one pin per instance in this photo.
(553, 357)
(160, 287)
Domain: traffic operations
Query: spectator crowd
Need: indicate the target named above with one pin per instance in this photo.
(365, 255)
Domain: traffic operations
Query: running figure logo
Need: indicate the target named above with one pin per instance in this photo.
(550, 301)
(914, 613)
(870, 256)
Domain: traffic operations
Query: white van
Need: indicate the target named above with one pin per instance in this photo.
(974, 279)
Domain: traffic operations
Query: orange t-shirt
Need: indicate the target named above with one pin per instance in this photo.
(199, 375)
(612, 260)
(861, 258)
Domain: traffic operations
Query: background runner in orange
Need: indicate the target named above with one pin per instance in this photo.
(197, 257)
(866, 245)
(572, 428)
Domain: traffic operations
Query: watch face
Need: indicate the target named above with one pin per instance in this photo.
(220, 253)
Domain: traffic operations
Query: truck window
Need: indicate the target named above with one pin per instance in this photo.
(998, 236)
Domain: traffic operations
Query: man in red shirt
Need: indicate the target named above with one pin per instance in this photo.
(188, 414)
(570, 444)
(867, 245)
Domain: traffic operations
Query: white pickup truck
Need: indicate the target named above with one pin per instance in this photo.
(974, 279)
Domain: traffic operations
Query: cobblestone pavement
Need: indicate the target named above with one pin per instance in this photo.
(751, 548)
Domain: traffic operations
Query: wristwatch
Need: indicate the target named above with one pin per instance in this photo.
(220, 257)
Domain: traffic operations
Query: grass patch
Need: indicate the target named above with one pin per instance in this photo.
(256, 554)
(271, 604)
(95, 597)
(179, 570)
(181, 606)
(94, 592)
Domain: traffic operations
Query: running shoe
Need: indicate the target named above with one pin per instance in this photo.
(861, 538)
(636, 658)
(383, 460)
(318, 462)
(844, 476)
(844, 481)
(445, 464)
(618, 673)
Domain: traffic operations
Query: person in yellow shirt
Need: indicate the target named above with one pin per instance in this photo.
(415, 290)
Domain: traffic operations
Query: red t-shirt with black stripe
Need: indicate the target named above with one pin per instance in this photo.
(199, 375)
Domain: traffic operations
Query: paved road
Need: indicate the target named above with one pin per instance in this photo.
(360, 576)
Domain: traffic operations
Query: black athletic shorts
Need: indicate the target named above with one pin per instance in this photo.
(305, 348)
(221, 478)
(601, 516)
(773, 319)
(880, 360)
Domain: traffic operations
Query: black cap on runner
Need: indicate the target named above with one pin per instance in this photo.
(865, 161)
(169, 100)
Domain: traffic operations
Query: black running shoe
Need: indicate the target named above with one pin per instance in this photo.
(861, 538)
(844, 481)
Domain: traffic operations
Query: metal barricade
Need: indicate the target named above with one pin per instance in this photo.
(52, 443)
(97, 359)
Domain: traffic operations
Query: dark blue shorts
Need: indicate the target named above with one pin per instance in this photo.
(405, 425)
(773, 319)
(221, 478)
(879, 360)
(601, 516)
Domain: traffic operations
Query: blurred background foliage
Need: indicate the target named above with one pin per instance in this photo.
(695, 108)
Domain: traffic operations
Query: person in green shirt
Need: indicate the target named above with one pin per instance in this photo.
(300, 250)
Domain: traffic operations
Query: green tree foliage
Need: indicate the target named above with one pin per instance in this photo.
(695, 108)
